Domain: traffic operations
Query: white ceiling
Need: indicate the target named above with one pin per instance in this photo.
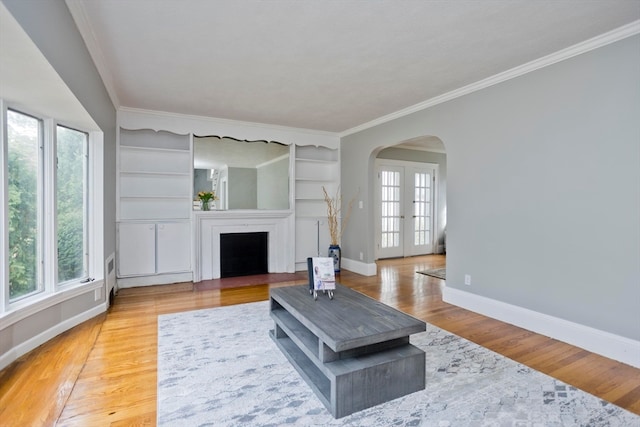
(317, 64)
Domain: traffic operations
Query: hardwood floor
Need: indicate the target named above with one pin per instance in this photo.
(103, 372)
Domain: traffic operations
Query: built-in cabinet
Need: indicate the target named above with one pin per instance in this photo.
(154, 207)
(149, 248)
(316, 167)
(161, 239)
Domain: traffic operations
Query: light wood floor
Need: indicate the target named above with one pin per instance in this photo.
(103, 372)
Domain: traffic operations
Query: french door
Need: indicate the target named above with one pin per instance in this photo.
(406, 194)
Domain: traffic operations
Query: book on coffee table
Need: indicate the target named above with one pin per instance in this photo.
(323, 274)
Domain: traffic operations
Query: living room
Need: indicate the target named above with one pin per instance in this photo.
(542, 185)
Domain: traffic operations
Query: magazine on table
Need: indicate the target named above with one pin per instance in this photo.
(324, 276)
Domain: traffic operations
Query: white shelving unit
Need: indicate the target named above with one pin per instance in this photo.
(155, 183)
(154, 197)
(316, 167)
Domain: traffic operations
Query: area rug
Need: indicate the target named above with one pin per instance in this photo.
(440, 273)
(218, 367)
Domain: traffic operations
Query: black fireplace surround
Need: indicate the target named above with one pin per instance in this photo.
(244, 254)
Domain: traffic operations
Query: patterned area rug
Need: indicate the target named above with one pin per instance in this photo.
(440, 273)
(218, 367)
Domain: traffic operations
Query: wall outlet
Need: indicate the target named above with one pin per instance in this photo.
(97, 294)
(361, 256)
(467, 279)
(360, 204)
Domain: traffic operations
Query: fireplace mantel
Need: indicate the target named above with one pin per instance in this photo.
(208, 225)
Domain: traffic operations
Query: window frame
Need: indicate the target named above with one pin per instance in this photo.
(53, 293)
(85, 214)
(40, 195)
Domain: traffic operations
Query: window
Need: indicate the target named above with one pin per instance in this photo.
(47, 205)
(24, 165)
(71, 201)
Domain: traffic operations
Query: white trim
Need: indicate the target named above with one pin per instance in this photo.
(152, 280)
(596, 42)
(208, 225)
(613, 346)
(43, 337)
(4, 207)
(359, 267)
(96, 205)
(183, 124)
(48, 202)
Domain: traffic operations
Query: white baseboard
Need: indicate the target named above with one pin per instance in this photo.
(359, 267)
(159, 279)
(41, 338)
(606, 344)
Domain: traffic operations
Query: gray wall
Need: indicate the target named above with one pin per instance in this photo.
(50, 25)
(243, 188)
(201, 181)
(52, 29)
(543, 188)
(440, 159)
(273, 185)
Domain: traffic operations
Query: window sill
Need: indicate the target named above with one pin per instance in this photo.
(27, 308)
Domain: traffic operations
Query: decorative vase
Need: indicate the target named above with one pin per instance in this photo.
(335, 253)
(204, 205)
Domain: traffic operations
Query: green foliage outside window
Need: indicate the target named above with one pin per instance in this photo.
(23, 136)
(25, 203)
(71, 204)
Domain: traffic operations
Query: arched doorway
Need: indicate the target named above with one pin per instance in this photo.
(410, 198)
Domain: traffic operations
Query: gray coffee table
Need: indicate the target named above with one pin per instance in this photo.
(353, 351)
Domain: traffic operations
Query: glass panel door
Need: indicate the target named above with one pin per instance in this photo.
(407, 189)
(391, 188)
(422, 219)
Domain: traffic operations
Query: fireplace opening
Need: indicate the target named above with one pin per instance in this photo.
(244, 254)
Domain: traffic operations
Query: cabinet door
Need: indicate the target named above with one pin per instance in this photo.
(312, 238)
(174, 247)
(136, 249)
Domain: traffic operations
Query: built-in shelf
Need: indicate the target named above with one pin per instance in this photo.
(154, 201)
(316, 167)
(154, 179)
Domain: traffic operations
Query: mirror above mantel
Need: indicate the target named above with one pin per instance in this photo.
(242, 174)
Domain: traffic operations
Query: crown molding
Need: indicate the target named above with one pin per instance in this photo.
(221, 121)
(182, 124)
(588, 45)
(79, 15)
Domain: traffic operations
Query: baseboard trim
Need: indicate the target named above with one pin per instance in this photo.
(606, 344)
(25, 347)
(359, 267)
(160, 279)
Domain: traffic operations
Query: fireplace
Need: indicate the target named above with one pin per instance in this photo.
(244, 254)
(210, 226)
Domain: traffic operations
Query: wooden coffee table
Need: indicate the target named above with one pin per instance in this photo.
(353, 351)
